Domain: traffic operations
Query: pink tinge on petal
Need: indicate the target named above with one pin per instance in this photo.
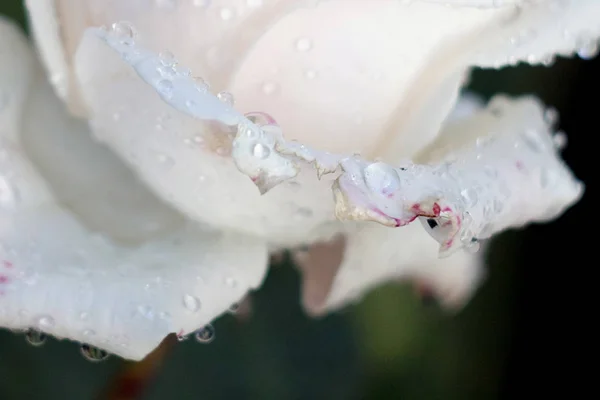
(319, 265)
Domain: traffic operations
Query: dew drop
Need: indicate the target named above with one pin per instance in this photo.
(165, 87)
(165, 160)
(230, 281)
(46, 322)
(551, 116)
(226, 98)
(473, 246)
(146, 311)
(164, 315)
(92, 353)
(303, 44)
(124, 31)
(310, 74)
(560, 140)
(201, 84)
(191, 303)
(35, 337)
(470, 197)
(205, 335)
(587, 48)
(191, 104)
(381, 178)
(167, 58)
(226, 13)
(269, 87)
(166, 71)
(8, 194)
(260, 151)
(233, 308)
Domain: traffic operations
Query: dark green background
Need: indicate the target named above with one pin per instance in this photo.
(519, 335)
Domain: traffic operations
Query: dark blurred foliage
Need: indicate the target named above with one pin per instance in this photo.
(524, 333)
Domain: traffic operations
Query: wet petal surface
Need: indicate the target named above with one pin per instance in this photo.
(122, 293)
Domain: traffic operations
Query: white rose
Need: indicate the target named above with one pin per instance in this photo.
(135, 214)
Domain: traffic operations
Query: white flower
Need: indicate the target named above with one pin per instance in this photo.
(135, 214)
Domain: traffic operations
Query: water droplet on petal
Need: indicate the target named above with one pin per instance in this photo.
(303, 44)
(587, 47)
(124, 31)
(35, 337)
(473, 246)
(226, 98)
(93, 354)
(560, 140)
(201, 84)
(382, 179)
(165, 87)
(470, 197)
(164, 315)
(269, 87)
(551, 116)
(205, 335)
(310, 74)
(46, 322)
(230, 281)
(146, 311)
(191, 104)
(234, 308)
(166, 71)
(226, 13)
(165, 160)
(8, 194)
(167, 58)
(191, 303)
(260, 151)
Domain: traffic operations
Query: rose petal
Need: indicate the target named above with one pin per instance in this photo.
(405, 60)
(538, 31)
(87, 177)
(187, 160)
(61, 277)
(334, 275)
(212, 32)
(497, 170)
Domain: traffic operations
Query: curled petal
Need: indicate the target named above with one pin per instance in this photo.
(178, 137)
(498, 169)
(59, 275)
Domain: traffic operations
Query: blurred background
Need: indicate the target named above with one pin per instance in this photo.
(524, 334)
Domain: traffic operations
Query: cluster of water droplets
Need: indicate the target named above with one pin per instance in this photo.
(38, 338)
